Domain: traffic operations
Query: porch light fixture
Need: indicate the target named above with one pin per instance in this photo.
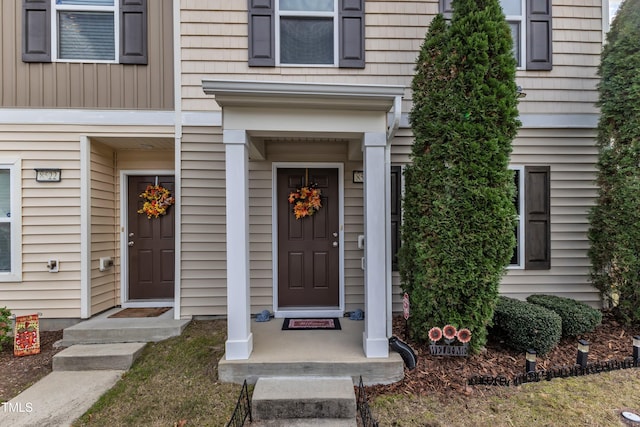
(358, 177)
(636, 349)
(530, 361)
(48, 175)
(583, 353)
(521, 92)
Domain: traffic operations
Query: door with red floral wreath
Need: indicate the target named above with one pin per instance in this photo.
(308, 238)
(151, 237)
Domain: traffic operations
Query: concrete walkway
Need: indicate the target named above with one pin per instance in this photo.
(58, 399)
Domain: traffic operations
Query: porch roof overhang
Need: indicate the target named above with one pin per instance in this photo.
(313, 111)
(241, 93)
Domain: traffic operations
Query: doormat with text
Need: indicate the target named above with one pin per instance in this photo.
(306, 324)
(140, 312)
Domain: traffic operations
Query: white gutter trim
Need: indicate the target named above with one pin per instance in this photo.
(252, 87)
(66, 116)
(177, 169)
(397, 115)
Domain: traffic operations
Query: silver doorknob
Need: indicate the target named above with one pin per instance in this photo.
(335, 234)
(334, 244)
(130, 234)
(130, 243)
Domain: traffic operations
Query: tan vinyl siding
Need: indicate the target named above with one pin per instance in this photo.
(214, 46)
(87, 85)
(51, 212)
(50, 222)
(104, 232)
(571, 154)
(203, 262)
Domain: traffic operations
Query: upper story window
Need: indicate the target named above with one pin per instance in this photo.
(514, 12)
(84, 31)
(530, 22)
(10, 217)
(306, 33)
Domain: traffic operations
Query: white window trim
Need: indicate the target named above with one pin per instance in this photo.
(15, 178)
(522, 19)
(55, 8)
(312, 14)
(521, 224)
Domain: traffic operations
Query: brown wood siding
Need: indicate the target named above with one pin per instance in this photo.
(86, 85)
(104, 227)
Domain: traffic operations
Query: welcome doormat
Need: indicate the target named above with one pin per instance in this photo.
(140, 312)
(306, 324)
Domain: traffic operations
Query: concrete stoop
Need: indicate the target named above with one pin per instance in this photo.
(90, 357)
(304, 401)
(106, 331)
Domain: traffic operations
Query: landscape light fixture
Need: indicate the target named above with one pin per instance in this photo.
(583, 353)
(530, 361)
(636, 349)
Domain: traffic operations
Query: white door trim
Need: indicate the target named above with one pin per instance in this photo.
(124, 240)
(306, 312)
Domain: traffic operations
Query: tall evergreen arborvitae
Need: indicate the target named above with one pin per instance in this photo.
(615, 220)
(458, 211)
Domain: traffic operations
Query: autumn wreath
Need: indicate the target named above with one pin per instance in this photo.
(157, 200)
(305, 201)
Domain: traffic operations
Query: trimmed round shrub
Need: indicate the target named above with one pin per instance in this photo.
(523, 325)
(577, 317)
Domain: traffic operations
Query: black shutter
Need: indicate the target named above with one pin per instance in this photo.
(537, 206)
(396, 213)
(539, 41)
(133, 32)
(351, 30)
(262, 30)
(446, 8)
(36, 30)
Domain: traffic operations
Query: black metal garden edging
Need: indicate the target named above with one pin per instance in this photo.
(364, 411)
(243, 408)
(559, 372)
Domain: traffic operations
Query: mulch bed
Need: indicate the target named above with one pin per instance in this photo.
(18, 373)
(447, 376)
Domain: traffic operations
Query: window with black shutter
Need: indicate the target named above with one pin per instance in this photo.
(85, 31)
(301, 33)
(396, 213)
(530, 23)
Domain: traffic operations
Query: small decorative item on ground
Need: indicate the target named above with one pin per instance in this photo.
(157, 200)
(27, 335)
(305, 200)
(448, 336)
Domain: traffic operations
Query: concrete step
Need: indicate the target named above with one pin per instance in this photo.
(105, 330)
(287, 398)
(300, 422)
(90, 357)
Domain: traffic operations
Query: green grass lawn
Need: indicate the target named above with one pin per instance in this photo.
(174, 383)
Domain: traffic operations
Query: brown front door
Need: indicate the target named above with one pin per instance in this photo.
(150, 243)
(308, 252)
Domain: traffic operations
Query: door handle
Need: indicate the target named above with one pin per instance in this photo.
(130, 234)
(334, 244)
(131, 243)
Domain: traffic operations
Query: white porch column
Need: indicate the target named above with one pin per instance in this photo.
(239, 338)
(375, 338)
